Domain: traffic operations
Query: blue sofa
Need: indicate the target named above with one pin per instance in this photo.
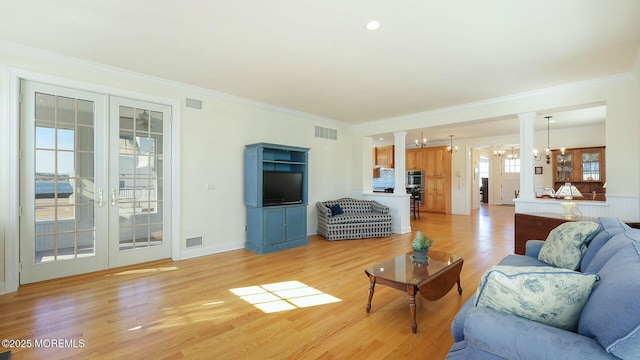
(609, 324)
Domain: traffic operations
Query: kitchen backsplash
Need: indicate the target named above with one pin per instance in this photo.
(386, 179)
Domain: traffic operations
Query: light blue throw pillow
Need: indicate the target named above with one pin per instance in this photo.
(567, 243)
(548, 295)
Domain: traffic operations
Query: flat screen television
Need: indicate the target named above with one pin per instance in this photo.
(281, 188)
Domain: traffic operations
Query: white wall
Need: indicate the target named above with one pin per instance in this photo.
(212, 142)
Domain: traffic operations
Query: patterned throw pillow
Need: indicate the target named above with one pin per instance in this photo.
(544, 294)
(567, 243)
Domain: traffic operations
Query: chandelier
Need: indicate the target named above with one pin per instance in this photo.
(499, 153)
(451, 149)
(538, 157)
(512, 155)
(422, 143)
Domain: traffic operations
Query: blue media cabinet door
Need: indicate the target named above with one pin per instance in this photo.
(296, 222)
(274, 225)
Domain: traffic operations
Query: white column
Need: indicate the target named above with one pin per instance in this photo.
(399, 139)
(527, 131)
(367, 164)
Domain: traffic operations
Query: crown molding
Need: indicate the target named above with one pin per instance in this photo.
(519, 96)
(69, 61)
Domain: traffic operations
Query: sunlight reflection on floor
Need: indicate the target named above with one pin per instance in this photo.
(283, 296)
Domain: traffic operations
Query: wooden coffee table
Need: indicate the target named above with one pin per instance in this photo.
(433, 279)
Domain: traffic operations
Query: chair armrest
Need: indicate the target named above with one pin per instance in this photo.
(323, 209)
(379, 208)
(533, 248)
(513, 337)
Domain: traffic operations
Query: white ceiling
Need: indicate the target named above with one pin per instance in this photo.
(317, 57)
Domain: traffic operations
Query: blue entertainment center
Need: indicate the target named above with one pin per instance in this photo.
(276, 196)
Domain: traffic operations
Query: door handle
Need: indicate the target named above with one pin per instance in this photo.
(113, 197)
(100, 202)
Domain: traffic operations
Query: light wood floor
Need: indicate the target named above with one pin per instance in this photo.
(185, 309)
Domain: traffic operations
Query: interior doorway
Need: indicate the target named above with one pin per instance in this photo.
(483, 177)
(510, 177)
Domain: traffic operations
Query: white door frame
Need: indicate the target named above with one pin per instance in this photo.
(12, 165)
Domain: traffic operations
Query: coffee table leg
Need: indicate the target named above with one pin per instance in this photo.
(412, 307)
(459, 287)
(372, 278)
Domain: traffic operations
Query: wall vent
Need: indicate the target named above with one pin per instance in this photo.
(194, 241)
(193, 103)
(326, 133)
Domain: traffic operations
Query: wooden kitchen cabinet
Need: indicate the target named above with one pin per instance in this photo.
(411, 159)
(384, 156)
(416, 159)
(421, 159)
(435, 162)
(435, 194)
(437, 168)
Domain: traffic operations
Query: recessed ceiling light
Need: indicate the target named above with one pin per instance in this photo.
(381, 139)
(373, 25)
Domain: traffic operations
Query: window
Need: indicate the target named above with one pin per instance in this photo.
(512, 165)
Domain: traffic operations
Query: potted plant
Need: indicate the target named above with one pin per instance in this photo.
(421, 245)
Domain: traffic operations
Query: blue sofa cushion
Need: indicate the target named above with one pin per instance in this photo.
(335, 209)
(567, 243)
(548, 295)
(612, 313)
(521, 260)
(491, 334)
(609, 226)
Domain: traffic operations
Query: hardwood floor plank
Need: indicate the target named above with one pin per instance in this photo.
(188, 310)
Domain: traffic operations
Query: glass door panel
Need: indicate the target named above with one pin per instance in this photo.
(139, 199)
(58, 226)
(564, 167)
(63, 229)
(591, 166)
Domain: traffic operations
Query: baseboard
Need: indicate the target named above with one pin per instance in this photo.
(209, 250)
(404, 229)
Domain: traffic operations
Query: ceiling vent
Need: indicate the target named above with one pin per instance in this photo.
(326, 133)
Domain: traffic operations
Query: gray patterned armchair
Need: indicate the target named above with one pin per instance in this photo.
(360, 219)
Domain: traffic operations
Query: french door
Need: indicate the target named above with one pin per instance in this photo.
(94, 183)
(140, 182)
